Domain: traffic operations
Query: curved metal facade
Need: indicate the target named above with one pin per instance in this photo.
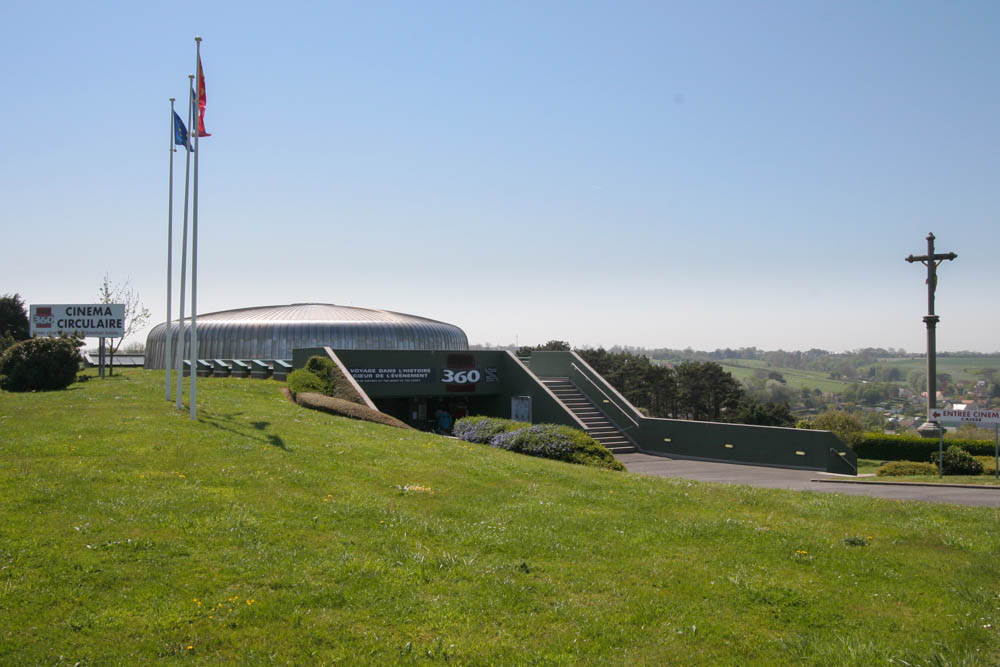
(271, 332)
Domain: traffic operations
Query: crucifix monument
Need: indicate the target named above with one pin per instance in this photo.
(930, 429)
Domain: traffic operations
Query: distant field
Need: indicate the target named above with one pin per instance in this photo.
(795, 378)
(960, 368)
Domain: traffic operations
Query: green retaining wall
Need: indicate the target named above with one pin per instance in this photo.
(737, 443)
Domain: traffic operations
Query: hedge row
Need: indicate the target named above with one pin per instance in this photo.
(882, 447)
(342, 408)
(549, 441)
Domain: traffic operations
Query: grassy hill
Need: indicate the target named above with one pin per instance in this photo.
(962, 369)
(797, 379)
(268, 533)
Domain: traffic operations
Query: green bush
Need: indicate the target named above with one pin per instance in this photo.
(906, 469)
(6, 340)
(481, 430)
(301, 380)
(957, 461)
(325, 370)
(844, 425)
(884, 447)
(39, 364)
(550, 441)
(989, 464)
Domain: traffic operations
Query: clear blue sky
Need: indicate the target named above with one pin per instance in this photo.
(700, 174)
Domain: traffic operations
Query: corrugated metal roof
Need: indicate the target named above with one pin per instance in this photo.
(272, 332)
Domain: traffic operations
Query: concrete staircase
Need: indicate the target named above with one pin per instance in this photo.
(598, 426)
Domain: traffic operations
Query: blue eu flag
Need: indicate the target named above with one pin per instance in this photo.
(180, 132)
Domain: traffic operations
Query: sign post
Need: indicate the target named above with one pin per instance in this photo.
(977, 417)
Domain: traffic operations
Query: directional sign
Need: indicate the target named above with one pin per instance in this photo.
(978, 417)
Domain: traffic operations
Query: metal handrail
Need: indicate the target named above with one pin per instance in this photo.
(608, 398)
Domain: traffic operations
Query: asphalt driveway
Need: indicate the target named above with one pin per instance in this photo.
(803, 480)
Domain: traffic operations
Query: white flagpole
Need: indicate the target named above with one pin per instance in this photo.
(168, 359)
(184, 244)
(194, 237)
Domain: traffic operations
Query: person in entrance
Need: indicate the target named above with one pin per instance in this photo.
(445, 421)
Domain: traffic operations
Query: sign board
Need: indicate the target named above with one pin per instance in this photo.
(390, 375)
(89, 320)
(978, 417)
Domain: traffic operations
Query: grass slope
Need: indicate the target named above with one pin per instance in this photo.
(265, 533)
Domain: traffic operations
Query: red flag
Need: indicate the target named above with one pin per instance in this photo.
(201, 101)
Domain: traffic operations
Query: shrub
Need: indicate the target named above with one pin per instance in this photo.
(989, 464)
(957, 461)
(844, 425)
(906, 469)
(550, 441)
(561, 443)
(318, 376)
(538, 440)
(343, 408)
(325, 370)
(482, 429)
(884, 447)
(301, 380)
(39, 364)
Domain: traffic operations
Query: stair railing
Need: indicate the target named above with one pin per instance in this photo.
(606, 397)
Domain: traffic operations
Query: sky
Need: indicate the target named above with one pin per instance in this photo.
(656, 174)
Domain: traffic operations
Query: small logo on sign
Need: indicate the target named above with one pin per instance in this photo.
(43, 318)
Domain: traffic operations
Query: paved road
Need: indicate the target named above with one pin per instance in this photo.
(802, 480)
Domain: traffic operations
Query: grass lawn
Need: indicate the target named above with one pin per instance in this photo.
(264, 532)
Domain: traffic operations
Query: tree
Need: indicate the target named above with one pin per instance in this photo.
(646, 385)
(705, 390)
(917, 380)
(551, 346)
(751, 410)
(136, 314)
(844, 425)
(13, 321)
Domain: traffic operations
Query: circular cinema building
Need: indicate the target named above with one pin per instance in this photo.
(272, 332)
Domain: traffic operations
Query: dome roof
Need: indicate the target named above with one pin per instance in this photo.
(272, 332)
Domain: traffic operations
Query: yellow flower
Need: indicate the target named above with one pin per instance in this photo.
(189, 647)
